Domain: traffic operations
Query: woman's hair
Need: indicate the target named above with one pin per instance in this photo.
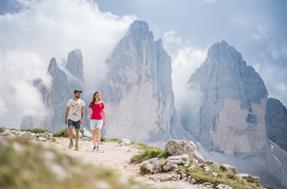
(94, 97)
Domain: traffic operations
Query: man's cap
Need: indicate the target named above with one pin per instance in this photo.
(77, 90)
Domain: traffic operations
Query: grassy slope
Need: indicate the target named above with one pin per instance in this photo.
(27, 165)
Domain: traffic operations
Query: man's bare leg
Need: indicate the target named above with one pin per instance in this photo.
(77, 139)
(70, 134)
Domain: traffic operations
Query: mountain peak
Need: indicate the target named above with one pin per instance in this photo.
(139, 25)
(222, 51)
(139, 30)
(53, 66)
(75, 63)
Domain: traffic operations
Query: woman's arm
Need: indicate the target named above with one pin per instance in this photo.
(90, 113)
(104, 114)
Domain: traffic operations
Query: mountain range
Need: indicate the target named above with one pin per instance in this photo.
(228, 111)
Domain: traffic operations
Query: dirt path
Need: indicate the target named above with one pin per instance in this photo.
(117, 157)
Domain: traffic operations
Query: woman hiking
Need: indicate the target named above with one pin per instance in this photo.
(97, 118)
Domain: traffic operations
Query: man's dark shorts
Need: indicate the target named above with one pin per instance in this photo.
(75, 124)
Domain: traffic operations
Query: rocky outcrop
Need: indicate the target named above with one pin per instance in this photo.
(231, 103)
(229, 119)
(276, 122)
(138, 90)
(187, 168)
(63, 82)
(181, 147)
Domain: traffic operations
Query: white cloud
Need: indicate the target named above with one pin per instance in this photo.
(185, 60)
(43, 29)
(276, 86)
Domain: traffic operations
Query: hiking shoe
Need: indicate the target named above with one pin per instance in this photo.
(95, 148)
(77, 147)
(71, 144)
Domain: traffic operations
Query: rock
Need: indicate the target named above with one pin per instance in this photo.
(46, 135)
(226, 167)
(140, 82)
(55, 97)
(178, 160)
(151, 166)
(27, 135)
(248, 178)
(170, 166)
(41, 139)
(276, 122)
(193, 181)
(209, 162)
(8, 133)
(227, 111)
(223, 186)
(230, 99)
(205, 167)
(125, 142)
(180, 147)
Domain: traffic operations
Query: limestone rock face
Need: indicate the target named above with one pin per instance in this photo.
(227, 115)
(276, 122)
(231, 100)
(138, 90)
(64, 81)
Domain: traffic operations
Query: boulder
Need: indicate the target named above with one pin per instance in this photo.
(169, 166)
(151, 166)
(178, 160)
(46, 135)
(180, 147)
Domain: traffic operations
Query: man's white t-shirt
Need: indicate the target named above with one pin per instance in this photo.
(75, 106)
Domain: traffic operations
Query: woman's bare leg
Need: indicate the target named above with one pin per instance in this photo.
(95, 136)
(98, 133)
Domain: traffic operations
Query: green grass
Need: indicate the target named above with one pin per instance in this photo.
(61, 133)
(113, 139)
(148, 152)
(35, 130)
(223, 177)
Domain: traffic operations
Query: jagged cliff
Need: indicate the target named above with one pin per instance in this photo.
(64, 81)
(229, 117)
(276, 122)
(138, 89)
(232, 103)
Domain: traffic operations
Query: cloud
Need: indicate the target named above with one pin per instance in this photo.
(45, 29)
(185, 60)
(274, 78)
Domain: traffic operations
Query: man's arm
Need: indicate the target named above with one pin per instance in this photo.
(66, 114)
(82, 114)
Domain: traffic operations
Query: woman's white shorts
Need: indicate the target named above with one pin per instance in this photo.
(96, 124)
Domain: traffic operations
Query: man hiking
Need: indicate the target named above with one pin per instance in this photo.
(74, 117)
